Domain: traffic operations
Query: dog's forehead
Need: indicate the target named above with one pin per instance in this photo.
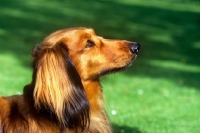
(82, 34)
(90, 31)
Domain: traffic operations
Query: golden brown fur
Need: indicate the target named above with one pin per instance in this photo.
(65, 95)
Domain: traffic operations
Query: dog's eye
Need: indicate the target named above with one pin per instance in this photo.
(89, 44)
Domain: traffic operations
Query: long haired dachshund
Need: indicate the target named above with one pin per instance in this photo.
(65, 94)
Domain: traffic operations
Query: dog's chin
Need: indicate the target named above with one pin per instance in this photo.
(114, 70)
(117, 69)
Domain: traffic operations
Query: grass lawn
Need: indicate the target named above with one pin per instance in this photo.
(159, 93)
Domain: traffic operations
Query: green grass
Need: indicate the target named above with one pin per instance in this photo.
(159, 93)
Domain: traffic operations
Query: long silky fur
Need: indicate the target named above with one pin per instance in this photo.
(58, 88)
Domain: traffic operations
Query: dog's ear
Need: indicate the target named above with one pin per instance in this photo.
(58, 87)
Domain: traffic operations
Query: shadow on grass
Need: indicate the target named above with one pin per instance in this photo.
(125, 129)
(179, 77)
(165, 35)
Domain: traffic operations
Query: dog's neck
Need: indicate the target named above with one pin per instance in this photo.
(94, 93)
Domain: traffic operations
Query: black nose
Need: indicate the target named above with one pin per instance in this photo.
(134, 47)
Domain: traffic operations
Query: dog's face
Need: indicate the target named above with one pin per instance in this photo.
(94, 56)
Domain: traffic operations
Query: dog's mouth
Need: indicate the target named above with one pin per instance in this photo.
(114, 70)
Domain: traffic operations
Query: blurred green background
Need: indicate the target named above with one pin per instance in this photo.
(159, 93)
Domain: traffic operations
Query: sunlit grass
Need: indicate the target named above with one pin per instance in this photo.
(13, 76)
(152, 105)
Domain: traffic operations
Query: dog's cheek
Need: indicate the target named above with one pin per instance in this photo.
(93, 68)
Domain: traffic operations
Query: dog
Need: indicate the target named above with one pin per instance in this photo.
(65, 94)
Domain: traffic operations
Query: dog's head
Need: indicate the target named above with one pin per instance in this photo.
(92, 55)
(67, 57)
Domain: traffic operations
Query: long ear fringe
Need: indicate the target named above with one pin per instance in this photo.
(58, 87)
